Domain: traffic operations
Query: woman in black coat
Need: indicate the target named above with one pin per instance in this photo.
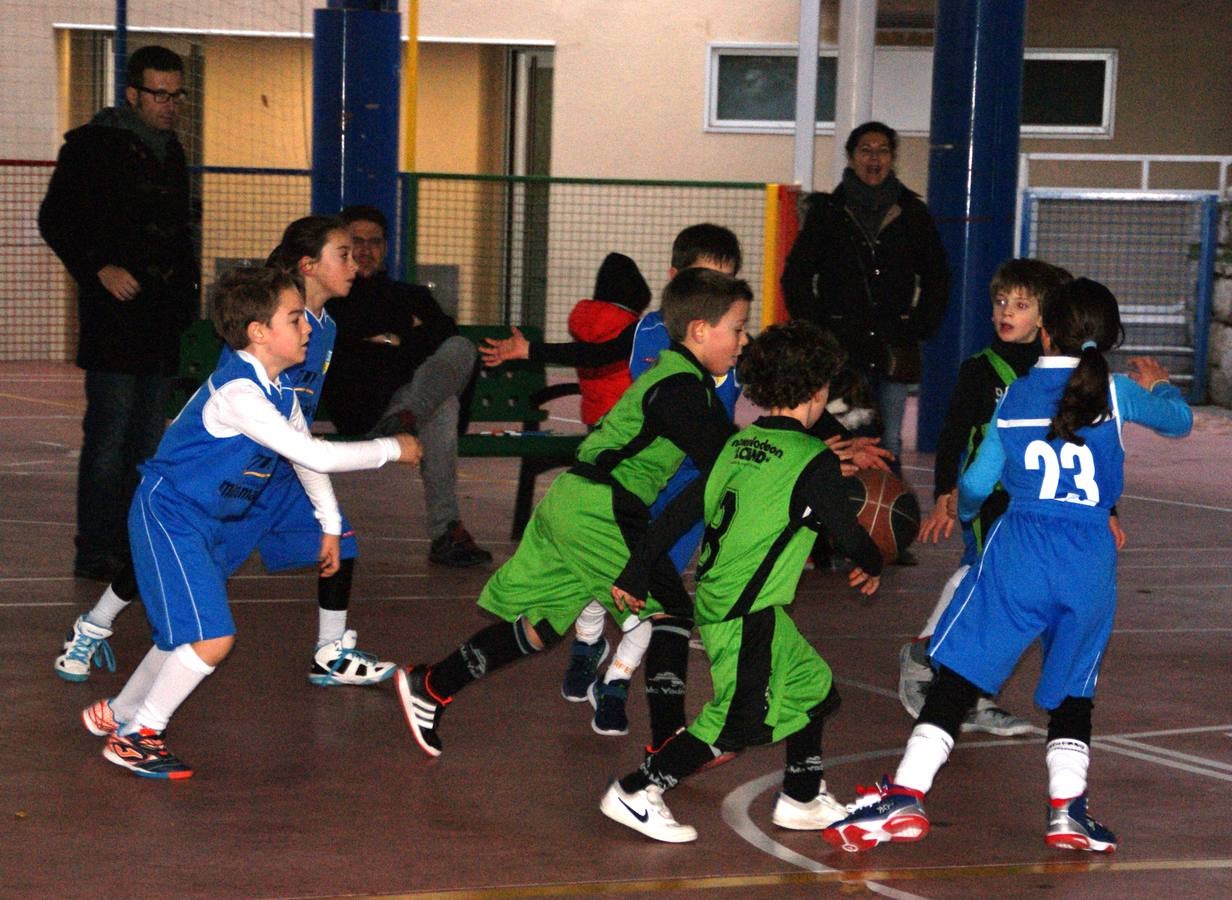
(857, 264)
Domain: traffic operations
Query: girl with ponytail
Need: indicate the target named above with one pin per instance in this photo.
(1048, 570)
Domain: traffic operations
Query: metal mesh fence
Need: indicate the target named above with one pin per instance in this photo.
(1147, 249)
(243, 214)
(36, 294)
(525, 250)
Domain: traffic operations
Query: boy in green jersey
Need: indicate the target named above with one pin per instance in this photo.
(580, 534)
(770, 490)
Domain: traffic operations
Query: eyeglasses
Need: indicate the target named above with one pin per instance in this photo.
(163, 97)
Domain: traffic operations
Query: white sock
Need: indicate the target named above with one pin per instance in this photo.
(331, 623)
(125, 704)
(629, 653)
(107, 608)
(589, 625)
(928, 748)
(947, 594)
(1067, 768)
(178, 678)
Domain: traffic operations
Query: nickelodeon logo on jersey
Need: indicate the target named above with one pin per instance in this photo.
(754, 450)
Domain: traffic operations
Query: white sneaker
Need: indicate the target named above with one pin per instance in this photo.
(85, 644)
(992, 719)
(820, 812)
(914, 677)
(340, 663)
(646, 812)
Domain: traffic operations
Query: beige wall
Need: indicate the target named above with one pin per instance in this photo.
(460, 119)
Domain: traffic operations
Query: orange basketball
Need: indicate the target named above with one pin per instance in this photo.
(887, 509)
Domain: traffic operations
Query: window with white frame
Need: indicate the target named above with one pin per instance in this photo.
(751, 88)
(1068, 93)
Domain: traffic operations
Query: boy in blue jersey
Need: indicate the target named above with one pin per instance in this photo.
(1047, 572)
(212, 465)
(281, 525)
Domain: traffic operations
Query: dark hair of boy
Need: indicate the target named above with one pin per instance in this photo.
(365, 213)
(1034, 276)
(853, 139)
(1082, 312)
(160, 59)
(786, 365)
(706, 241)
(244, 296)
(303, 237)
(700, 294)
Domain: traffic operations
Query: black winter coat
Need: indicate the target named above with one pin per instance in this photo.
(864, 290)
(112, 201)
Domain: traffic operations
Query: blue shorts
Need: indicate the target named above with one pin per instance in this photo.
(1044, 574)
(180, 560)
(282, 527)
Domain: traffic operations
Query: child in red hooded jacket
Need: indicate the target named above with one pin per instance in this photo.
(621, 296)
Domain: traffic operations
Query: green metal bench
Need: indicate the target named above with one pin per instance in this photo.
(511, 395)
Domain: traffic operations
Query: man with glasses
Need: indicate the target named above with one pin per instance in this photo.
(399, 365)
(118, 214)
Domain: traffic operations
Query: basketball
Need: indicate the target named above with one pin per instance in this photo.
(887, 509)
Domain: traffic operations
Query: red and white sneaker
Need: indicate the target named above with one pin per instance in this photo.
(883, 812)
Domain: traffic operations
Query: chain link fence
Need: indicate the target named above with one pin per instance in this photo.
(524, 250)
(1154, 250)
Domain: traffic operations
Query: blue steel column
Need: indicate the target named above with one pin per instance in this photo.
(119, 52)
(356, 59)
(972, 173)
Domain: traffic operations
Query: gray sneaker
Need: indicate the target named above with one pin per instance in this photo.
(914, 676)
(992, 719)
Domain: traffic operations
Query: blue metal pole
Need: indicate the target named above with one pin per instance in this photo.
(972, 179)
(119, 51)
(357, 60)
(1204, 295)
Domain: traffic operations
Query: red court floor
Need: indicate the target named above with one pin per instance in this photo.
(320, 792)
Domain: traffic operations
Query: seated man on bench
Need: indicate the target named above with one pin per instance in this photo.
(399, 365)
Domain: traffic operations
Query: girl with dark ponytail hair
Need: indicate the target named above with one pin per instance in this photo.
(1048, 570)
(1082, 319)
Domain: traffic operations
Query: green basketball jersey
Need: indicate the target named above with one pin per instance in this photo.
(626, 447)
(753, 551)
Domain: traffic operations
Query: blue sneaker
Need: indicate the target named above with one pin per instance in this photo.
(881, 813)
(584, 663)
(85, 644)
(1071, 827)
(608, 698)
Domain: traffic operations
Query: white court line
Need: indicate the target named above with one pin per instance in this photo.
(1174, 754)
(735, 808)
(1176, 503)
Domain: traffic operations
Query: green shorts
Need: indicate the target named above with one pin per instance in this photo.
(571, 553)
(766, 677)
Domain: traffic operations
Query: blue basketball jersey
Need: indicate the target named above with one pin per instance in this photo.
(221, 476)
(1055, 471)
(306, 378)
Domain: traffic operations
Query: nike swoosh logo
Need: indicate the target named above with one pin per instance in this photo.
(640, 816)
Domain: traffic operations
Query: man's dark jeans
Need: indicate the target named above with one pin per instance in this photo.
(124, 420)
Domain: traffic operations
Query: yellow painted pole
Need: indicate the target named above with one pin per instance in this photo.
(410, 85)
